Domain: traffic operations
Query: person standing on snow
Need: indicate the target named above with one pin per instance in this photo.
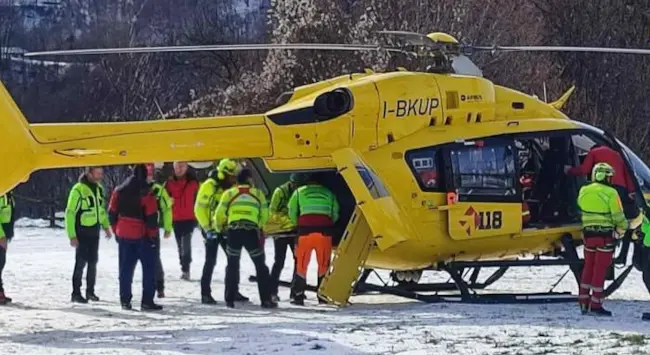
(315, 210)
(7, 218)
(241, 213)
(219, 180)
(85, 214)
(279, 209)
(164, 221)
(602, 217)
(182, 187)
(133, 214)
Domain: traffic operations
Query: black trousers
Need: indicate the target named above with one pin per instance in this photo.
(281, 245)
(86, 254)
(211, 250)
(160, 272)
(3, 261)
(249, 239)
(183, 232)
(629, 206)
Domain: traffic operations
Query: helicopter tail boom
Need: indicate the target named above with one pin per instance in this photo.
(26, 148)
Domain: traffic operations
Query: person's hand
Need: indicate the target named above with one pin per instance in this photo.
(3, 243)
(167, 235)
(74, 242)
(109, 233)
(211, 235)
(567, 168)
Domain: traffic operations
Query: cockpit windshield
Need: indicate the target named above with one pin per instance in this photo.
(641, 170)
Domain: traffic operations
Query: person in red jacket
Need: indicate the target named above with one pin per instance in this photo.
(622, 180)
(133, 215)
(182, 188)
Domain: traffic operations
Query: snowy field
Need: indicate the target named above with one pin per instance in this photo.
(43, 321)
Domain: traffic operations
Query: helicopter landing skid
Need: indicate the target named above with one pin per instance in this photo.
(465, 290)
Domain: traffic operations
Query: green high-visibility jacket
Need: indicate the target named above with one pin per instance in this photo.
(7, 206)
(279, 207)
(601, 208)
(645, 228)
(313, 199)
(164, 207)
(206, 204)
(86, 209)
(241, 203)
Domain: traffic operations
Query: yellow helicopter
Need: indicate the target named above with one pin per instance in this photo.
(428, 165)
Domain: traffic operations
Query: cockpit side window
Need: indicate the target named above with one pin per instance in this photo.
(485, 169)
(424, 164)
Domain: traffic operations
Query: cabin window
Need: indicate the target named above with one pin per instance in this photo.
(424, 165)
(485, 169)
(372, 182)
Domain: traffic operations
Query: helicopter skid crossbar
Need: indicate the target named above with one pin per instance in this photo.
(464, 288)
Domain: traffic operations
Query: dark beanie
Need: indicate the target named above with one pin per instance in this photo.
(140, 172)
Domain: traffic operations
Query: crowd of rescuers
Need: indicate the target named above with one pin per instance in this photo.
(229, 210)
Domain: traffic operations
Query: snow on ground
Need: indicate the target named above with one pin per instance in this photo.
(43, 321)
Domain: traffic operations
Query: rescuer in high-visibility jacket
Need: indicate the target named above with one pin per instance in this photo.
(210, 191)
(85, 215)
(603, 221)
(241, 213)
(165, 219)
(315, 210)
(7, 218)
(279, 209)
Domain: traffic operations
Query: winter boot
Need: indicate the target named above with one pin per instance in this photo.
(601, 312)
(275, 298)
(91, 296)
(230, 304)
(185, 276)
(269, 304)
(161, 293)
(127, 306)
(207, 299)
(241, 298)
(4, 299)
(298, 301)
(150, 306)
(76, 298)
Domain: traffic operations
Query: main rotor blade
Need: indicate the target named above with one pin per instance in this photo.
(227, 47)
(562, 49)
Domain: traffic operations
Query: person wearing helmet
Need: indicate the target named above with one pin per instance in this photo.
(623, 180)
(133, 215)
(603, 221)
(210, 191)
(279, 209)
(182, 187)
(241, 213)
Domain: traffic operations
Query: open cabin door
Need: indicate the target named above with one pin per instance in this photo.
(483, 177)
(377, 219)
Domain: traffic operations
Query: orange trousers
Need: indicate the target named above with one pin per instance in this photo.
(319, 242)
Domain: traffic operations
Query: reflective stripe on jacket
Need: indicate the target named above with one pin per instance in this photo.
(7, 205)
(85, 209)
(242, 203)
(313, 200)
(601, 209)
(206, 203)
(164, 207)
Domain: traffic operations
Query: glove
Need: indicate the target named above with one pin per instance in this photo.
(211, 235)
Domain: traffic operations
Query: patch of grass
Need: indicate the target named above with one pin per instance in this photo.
(634, 339)
(577, 342)
(543, 335)
(616, 335)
